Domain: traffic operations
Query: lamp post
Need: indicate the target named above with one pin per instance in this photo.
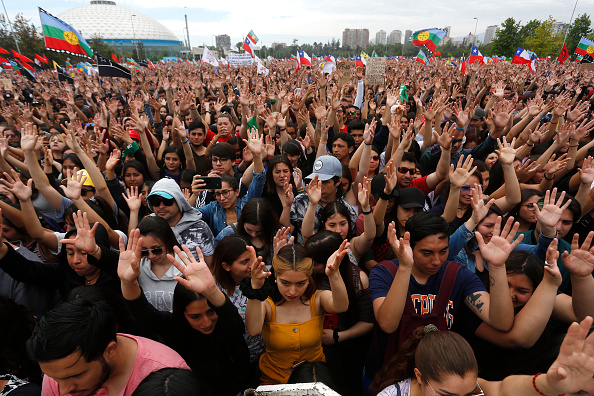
(475, 25)
(134, 35)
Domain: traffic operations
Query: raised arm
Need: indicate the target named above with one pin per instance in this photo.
(314, 193)
(362, 243)
(337, 300)
(256, 309)
(580, 264)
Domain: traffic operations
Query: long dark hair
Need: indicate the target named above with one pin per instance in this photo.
(320, 247)
(434, 353)
(272, 163)
(136, 165)
(259, 212)
(158, 228)
(525, 196)
(494, 209)
(333, 208)
(229, 249)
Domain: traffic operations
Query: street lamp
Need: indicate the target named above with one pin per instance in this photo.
(476, 24)
(134, 35)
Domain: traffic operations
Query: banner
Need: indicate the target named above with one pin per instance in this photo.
(240, 59)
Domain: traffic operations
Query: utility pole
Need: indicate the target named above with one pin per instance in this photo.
(568, 26)
(188, 33)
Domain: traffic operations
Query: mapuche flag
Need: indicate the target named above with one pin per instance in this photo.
(61, 37)
(428, 37)
(422, 58)
(585, 47)
(108, 68)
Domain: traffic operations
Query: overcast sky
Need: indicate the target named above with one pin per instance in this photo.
(320, 20)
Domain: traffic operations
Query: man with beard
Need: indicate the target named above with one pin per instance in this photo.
(81, 354)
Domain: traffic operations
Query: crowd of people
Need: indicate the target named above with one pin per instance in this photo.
(202, 231)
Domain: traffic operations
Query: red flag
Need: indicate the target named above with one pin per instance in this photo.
(437, 53)
(115, 58)
(25, 65)
(42, 59)
(3, 51)
(563, 55)
(21, 57)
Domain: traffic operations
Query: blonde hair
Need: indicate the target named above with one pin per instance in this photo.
(293, 258)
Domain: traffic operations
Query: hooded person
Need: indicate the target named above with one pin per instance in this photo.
(166, 200)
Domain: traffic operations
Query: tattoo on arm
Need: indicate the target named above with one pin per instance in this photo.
(475, 303)
(491, 281)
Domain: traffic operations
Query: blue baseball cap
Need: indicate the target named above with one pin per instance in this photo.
(161, 194)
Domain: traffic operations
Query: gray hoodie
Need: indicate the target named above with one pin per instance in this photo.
(158, 292)
(190, 230)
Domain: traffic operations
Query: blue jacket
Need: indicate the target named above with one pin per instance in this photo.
(214, 214)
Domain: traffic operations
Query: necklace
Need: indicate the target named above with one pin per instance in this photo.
(88, 281)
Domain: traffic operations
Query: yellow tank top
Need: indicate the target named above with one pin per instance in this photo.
(287, 344)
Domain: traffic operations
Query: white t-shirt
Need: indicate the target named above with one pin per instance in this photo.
(392, 391)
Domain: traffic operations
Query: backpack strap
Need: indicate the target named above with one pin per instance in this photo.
(446, 287)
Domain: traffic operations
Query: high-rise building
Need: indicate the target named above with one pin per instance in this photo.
(471, 39)
(223, 41)
(380, 37)
(560, 28)
(448, 30)
(490, 34)
(395, 37)
(276, 45)
(353, 38)
(407, 35)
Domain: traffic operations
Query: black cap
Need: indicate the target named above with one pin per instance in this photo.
(8, 95)
(411, 197)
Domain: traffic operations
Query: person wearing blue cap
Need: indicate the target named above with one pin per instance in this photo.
(328, 170)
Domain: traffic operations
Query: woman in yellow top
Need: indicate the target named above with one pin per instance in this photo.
(292, 320)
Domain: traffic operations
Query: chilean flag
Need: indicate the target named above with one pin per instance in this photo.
(462, 66)
(247, 46)
(475, 55)
(304, 59)
(522, 57)
(330, 58)
(359, 61)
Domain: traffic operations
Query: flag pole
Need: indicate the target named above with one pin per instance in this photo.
(11, 29)
(569, 26)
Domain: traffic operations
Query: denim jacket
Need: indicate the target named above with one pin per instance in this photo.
(463, 235)
(214, 214)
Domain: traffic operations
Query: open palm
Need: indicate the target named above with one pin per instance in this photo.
(198, 277)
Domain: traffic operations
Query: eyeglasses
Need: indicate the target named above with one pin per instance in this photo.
(10, 135)
(156, 201)
(155, 251)
(222, 193)
(481, 393)
(214, 160)
(84, 191)
(404, 169)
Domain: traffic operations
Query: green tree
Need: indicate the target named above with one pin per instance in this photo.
(506, 41)
(544, 41)
(99, 46)
(527, 31)
(581, 27)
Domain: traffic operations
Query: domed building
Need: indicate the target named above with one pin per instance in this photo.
(122, 28)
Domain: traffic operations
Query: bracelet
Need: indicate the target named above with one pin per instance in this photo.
(552, 178)
(367, 144)
(368, 212)
(536, 389)
(254, 294)
(554, 123)
(460, 129)
(96, 251)
(335, 336)
(185, 141)
(283, 129)
(574, 145)
(530, 145)
(384, 196)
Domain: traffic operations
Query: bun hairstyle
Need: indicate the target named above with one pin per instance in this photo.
(434, 353)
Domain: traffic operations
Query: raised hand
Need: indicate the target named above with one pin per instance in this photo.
(29, 137)
(587, 171)
(551, 211)
(198, 277)
(113, 160)
(85, 235)
(333, 263)
(506, 151)
(580, 262)
(447, 136)
(460, 175)
(259, 273)
(401, 247)
(129, 261)
(501, 244)
(369, 132)
(133, 199)
(282, 239)
(255, 142)
(74, 183)
(15, 185)
(479, 207)
(573, 368)
(363, 195)
(314, 190)
(391, 178)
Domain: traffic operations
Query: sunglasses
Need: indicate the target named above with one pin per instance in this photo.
(155, 251)
(351, 112)
(454, 141)
(84, 192)
(465, 189)
(156, 201)
(403, 169)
